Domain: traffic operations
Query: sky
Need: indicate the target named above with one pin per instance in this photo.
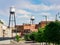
(27, 8)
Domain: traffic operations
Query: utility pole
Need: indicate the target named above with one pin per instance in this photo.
(56, 19)
(46, 24)
(46, 19)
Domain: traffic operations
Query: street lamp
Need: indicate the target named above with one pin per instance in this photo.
(32, 19)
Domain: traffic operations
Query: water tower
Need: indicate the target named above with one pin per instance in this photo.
(12, 19)
(32, 19)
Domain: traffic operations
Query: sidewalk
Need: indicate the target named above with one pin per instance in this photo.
(5, 42)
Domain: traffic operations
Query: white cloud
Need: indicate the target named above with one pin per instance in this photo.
(45, 13)
(27, 21)
(52, 1)
(24, 16)
(55, 7)
(22, 12)
(26, 4)
(49, 19)
(39, 7)
(43, 7)
(2, 12)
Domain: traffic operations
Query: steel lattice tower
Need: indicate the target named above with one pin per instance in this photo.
(12, 19)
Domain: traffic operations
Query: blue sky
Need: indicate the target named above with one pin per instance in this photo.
(26, 8)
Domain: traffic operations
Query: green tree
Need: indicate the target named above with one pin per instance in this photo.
(32, 36)
(27, 37)
(1, 22)
(52, 32)
(40, 35)
(36, 36)
(17, 38)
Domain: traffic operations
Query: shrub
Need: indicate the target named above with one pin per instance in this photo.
(36, 36)
(17, 38)
(33, 36)
(27, 37)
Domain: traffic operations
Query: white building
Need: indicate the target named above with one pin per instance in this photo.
(4, 31)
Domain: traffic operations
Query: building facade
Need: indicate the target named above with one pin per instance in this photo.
(26, 28)
(21, 29)
(4, 31)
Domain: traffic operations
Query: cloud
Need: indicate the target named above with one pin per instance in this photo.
(27, 21)
(24, 12)
(57, 2)
(45, 13)
(38, 7)
(2, 12)
(43, 7)
(25, 8)
(26, 4)
(49, 19)
(24, 16)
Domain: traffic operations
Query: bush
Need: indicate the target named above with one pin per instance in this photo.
(40, 35)
(17, 38)
(36, 36)
(27, 37)
(32, 36)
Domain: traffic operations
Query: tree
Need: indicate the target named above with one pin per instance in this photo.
(33, 36)
(40, 35)
(52, 32)
(27, 37)
(1, 22)
(17, 38)
(36, 36)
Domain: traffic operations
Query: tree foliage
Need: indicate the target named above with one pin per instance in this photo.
(52, 32)
(40, 35)
(1, 22)
(36, 36)
(27, 37)
(17, 38)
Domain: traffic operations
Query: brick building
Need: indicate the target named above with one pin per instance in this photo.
(28, 28)
(42, 24)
